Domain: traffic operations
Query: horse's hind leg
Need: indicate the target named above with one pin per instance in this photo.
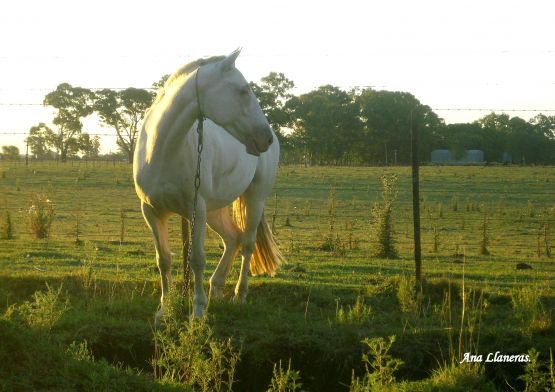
(220, 221)
(254, 208)
(159, 227)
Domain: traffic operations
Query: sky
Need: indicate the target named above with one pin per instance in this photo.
(451, 54)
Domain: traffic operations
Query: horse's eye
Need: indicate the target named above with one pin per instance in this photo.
(244, 91)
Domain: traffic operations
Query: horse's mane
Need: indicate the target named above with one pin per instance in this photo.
(184, 70)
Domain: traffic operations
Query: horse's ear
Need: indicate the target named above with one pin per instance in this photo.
(229, 62)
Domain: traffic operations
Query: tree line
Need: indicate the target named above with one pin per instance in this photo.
(327, 125)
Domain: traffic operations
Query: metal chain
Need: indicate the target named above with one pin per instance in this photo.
(200, 132)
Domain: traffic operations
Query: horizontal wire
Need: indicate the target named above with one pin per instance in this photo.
(434, 109)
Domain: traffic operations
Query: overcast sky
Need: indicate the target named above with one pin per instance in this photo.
(450, 54)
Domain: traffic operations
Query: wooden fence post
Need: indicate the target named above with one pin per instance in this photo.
(416, 200)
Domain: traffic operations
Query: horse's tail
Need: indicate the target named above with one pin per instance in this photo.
(266, 257)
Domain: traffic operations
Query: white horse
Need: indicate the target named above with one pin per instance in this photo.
(239, 163)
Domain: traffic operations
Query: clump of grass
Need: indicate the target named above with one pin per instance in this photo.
(458, 377)
(529, 310)
(7, 231)
(409, 299)
(435, 233)
(382, 214)
(546, 238)
(287, 222)
(306, 210)
(379, 364)
(41, 215)
(485, 239)
(77, 228)
(331, 241)
(531, 209)
(122, 226)
(285, 380)
(352, 241)
(80, 351)
(455, 203)
(359, 313)
(274, 215)
(332, 213)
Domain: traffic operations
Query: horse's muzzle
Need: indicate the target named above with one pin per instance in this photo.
(260, 142)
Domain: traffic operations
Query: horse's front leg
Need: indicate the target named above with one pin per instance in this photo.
(198, 258)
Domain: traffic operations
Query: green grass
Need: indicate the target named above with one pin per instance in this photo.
(112, 287)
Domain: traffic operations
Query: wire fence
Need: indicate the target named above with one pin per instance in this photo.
(518, 220)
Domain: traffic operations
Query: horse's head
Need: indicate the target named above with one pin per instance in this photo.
(227, 99)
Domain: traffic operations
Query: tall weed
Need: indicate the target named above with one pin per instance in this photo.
(41, 215)
(285, 380)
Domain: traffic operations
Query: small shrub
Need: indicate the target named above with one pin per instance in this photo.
(352, 241)
(80, 351)
(546, 238)
(383, 220)
(435, 232)
(274, 215)
(41, 215)
(531, 209)
(458, 377)
(359, 313)
(534, 377)
(285, 380)
(331, 241)
(409, 300)
(46, 308)
(122, 226)
(529, 311)
(7, 230)
(187, 352)
(455, 203)
(485, 240)
(379, 364)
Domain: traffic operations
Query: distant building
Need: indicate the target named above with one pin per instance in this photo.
(446, 157)
(507, 158)
(473, 156)
(442, 157)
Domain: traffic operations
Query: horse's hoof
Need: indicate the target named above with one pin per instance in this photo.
(240, 299)
(158, 319)
(216, 294)
(198, 311)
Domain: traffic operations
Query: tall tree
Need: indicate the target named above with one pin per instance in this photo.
(71, 104)
(89, 146)
(38, 141)
(387, 121)
(326, 123)
(544, 125)
(123, 111)
(273, 92)
(10, 153)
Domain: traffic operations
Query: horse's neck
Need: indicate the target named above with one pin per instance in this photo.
(167, 131)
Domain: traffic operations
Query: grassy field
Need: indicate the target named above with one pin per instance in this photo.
(94, 280)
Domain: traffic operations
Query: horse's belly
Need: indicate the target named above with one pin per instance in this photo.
(229, 185)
